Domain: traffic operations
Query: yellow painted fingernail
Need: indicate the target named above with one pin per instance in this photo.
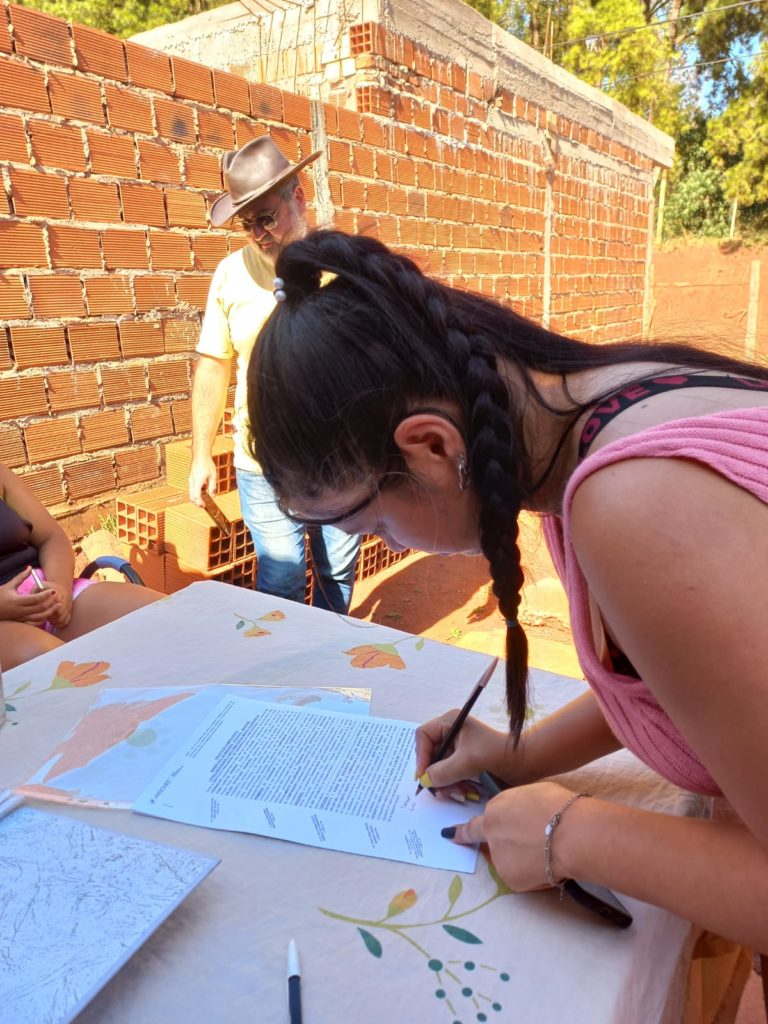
(425, 781)
(471, 795)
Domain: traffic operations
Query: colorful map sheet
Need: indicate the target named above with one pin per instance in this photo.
(121, 743)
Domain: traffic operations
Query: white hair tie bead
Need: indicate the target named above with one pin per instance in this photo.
(278, 287)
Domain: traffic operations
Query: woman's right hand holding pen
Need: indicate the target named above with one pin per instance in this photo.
(478, 748)
(573, 736)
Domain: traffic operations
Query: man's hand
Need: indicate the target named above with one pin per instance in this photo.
(202, 477)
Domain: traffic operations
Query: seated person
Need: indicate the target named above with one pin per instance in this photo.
(34, 621)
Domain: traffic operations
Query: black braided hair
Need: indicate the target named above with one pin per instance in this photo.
(362, 338)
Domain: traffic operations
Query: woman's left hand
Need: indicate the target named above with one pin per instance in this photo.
(61, 616)
(513, 827)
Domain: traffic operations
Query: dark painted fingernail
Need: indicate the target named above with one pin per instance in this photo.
(449, 832)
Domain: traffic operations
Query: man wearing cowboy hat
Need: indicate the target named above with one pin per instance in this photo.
(265, 196)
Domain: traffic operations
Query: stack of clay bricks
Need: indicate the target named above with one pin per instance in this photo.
(171, 542)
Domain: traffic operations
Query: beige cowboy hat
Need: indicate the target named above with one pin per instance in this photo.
(251, 172)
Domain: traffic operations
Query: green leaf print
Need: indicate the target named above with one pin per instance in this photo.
(372, 943)
(462, 935)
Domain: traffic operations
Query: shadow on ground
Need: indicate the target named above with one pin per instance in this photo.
(423, 591)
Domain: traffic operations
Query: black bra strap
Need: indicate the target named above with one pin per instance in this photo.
(641, 389)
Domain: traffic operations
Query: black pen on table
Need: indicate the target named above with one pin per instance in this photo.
(461, 718)
(294, 984)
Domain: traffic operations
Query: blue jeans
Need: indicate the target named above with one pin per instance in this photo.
(279, 543)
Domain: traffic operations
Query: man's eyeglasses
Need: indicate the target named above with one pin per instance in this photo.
(264, 221)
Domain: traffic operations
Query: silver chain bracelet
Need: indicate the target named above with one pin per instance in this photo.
(549, 832)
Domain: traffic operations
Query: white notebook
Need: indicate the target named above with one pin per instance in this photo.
(76, 902)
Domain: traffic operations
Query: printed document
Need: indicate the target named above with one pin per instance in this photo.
(322, 778)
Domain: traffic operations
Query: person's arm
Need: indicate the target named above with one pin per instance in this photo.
(675, 556)
(712, 873)
(571, 737)
(209, 397)
(54, 550)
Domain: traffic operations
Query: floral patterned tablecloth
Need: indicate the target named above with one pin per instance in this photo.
(380, 942)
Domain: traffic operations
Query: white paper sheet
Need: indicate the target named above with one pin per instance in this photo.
(324, 779)
(76, 901)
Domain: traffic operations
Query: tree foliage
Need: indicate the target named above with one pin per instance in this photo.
(126, 18)
(737, 140)
(626, 61)
(683, 65)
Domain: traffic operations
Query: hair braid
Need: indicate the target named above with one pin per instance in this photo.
(363, 338)
(499, 481)
(493, 468)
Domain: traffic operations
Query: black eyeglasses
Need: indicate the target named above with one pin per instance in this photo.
(264, 221)
(300, 520)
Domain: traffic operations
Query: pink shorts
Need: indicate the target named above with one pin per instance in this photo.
(28, 587)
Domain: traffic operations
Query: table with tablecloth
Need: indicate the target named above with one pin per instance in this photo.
(381, 942)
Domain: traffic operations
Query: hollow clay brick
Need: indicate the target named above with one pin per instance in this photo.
(57, 295)
(23, 86)
(38, 346)
(128, 110)
(139, 465)
(99, 53)
(13, 139)
(76, 97)
(175, 121)
(41, 36)
(72, 390)
(149, 69)
(192, 81)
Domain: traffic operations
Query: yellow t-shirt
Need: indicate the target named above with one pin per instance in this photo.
(239, 301)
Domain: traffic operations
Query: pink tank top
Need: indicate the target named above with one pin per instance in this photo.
(734, 444)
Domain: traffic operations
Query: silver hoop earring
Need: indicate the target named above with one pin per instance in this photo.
(463, 473)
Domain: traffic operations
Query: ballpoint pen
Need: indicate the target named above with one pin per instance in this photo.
(294, 984)
(461, 718)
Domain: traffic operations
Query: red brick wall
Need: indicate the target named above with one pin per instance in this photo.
(110, 159)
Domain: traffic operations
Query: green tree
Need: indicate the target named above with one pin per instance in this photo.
(125, 18)
(737, 142)
(696, 204)
(683, 65)
(611, 51)
(497, 11)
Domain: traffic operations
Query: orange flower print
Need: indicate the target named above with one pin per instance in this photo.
(401, 901)
(256, 631)
(375, 656)
(86, 674)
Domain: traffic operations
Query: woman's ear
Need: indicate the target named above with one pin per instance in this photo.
(431, 447)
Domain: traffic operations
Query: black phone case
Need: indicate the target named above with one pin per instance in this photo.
(600, 901)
